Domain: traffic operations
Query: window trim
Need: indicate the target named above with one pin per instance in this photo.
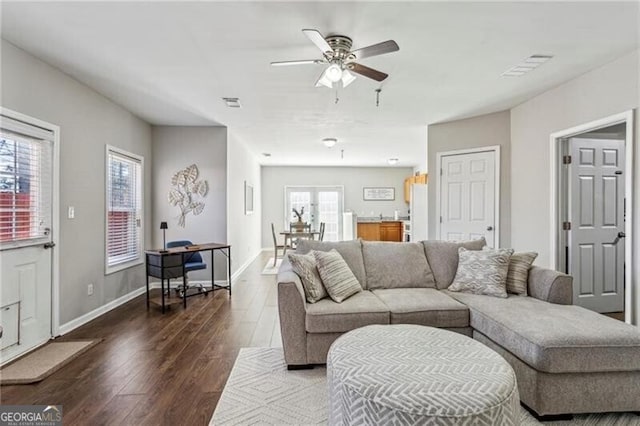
(140, 260)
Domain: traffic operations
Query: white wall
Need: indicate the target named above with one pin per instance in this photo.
(610, 89)
(88, 121)
(274, 179)
(244, 231)
(476, 132)
(174, 148)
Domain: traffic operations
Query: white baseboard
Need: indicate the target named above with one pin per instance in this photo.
(89, 316)
(245, 265)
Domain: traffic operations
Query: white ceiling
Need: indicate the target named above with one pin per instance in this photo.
(171, 63)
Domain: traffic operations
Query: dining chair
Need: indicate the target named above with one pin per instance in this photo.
(192, 262)
(321, 235)
(277, 246)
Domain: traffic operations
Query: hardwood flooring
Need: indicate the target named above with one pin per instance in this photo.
(154, 369)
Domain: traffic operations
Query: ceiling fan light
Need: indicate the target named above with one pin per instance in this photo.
(324, 81)
(347, 78)
(333, 73)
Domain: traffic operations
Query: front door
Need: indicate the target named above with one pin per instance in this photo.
(597, 214)
(467, 197)
(26, 176)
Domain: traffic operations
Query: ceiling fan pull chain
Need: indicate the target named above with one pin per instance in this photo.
(337, 98)
(378, 96)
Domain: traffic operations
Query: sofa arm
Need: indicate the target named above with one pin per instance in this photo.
(550, 286)
(292, 311)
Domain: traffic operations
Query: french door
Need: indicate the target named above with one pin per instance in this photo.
(321, 204)
(26, 210)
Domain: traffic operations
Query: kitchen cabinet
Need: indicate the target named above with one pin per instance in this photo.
(380, 231)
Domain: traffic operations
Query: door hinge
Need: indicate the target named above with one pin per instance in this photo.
(440, 219)
(566, 226)
(440, 172)
(566, 159)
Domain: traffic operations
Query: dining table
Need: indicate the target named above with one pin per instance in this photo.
(291, 236)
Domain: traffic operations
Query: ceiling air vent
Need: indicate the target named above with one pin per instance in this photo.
(529, 64)
(232, 102)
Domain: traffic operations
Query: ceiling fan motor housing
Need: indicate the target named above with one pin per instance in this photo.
(341, 46)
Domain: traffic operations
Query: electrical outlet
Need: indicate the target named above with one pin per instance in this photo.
(71, 213)
(90, 289)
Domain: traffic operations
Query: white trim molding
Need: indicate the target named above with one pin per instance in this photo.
(497, 156)
(555, 138)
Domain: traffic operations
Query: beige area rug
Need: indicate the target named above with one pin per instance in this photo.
(261, 390)
(269, 269)
(44, 361)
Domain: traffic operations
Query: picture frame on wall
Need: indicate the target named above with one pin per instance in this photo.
(378, 194)
(248, 198)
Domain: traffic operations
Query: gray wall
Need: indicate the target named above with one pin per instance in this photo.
(476, 132)
(88, 121)
(174, 148)
(244, 231)
(608, 90)
(274, 179)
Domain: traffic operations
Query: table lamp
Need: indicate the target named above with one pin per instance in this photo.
(164, 227)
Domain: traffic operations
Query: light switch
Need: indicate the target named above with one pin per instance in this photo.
(71, 213)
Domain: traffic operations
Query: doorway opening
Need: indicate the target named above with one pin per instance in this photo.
(592, 189)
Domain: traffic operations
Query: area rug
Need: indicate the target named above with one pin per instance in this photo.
(44, 361)
(261, 390)
(269, 269)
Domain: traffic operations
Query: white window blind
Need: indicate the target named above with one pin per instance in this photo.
(124, 208)
(25, 189)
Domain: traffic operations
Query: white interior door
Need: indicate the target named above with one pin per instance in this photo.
(596, 213)
(468, 197)
(26, 176)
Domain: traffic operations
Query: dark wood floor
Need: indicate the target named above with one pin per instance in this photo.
(156, 369)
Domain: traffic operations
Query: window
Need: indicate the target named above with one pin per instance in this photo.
(25, 189)
(124, 210)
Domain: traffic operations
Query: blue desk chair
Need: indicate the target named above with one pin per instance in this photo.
(192, 262)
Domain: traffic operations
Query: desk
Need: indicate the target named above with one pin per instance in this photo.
(167, 264)
(291, 235)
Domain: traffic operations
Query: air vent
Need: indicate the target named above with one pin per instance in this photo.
(529, 64)
(232, 102)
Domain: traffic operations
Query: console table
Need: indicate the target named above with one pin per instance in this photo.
(168, 264)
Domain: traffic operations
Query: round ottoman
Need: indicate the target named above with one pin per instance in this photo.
(411, 374)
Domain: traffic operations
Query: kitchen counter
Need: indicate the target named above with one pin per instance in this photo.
(384, 219)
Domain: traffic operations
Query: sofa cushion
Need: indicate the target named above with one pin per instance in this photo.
(306, 267)
(555, 338)
(443, 258)
(327, 316)
(482, 272)
(518, 275)
(336, 275)
(351, 252)
(423, 306)
(396, 265)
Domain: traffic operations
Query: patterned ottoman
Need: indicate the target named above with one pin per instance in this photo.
(411, 374)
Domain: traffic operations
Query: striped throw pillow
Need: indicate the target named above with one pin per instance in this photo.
(518, 274)
(336, 275)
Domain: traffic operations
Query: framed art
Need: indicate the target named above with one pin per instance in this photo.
(378, 194)
(248, 198)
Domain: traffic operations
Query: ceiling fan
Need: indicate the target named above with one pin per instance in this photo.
(337, 53)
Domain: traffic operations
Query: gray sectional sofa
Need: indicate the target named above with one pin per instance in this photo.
(567, 359)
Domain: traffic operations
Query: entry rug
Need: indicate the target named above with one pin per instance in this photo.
(44, 361)
(269, 269)
(261, 391)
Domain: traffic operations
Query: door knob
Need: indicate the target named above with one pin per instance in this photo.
(621, 234)
(49, 245)
(489, 228)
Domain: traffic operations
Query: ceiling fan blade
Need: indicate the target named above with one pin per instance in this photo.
(368, 72)
(301, 62)
(376, 49)
(318, 39)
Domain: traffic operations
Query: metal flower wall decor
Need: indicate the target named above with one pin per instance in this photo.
(188, 192)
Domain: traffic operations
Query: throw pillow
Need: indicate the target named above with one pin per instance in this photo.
(336, 275)
(306, 267)
(518, 274)
(482, 272)
(443, 258)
